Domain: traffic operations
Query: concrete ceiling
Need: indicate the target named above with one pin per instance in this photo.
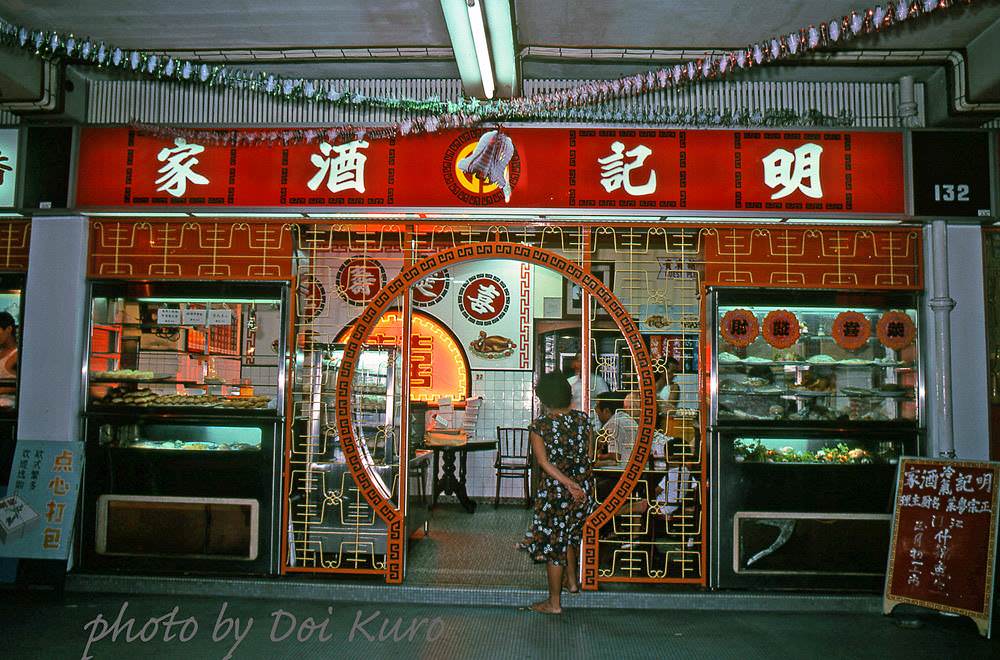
(721, 24)
(409, 38)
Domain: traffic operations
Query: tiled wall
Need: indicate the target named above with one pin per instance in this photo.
(507, 401)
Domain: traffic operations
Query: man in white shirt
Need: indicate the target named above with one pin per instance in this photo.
(597, 384)
(618, 428)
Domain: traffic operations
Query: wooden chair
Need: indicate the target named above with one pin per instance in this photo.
(513, 459)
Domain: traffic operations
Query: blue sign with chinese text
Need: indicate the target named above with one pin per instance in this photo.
(36, 516)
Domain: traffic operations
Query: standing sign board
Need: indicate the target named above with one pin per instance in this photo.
(944, 536)
(36, 516)
(951, 173)
(8, 166)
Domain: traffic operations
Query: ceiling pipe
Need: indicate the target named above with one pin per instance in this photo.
(907, 108)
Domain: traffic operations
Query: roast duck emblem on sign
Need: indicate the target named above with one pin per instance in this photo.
(492, 347)
(489, 161)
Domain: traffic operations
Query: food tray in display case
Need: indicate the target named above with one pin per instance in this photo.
(793, 358)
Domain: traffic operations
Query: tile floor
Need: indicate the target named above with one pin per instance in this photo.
(474, 549)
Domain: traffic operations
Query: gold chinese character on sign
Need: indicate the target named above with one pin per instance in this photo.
(51, 538)
(58, 486)
(63, 462)
(55, 511)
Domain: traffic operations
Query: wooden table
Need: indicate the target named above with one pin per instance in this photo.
(448, 483)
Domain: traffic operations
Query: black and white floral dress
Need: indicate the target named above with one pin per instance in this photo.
(557, 522)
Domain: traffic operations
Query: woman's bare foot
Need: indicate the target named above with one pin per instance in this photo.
(544, 607)
(571, 585)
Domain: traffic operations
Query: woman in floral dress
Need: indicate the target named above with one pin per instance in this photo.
(560, 441)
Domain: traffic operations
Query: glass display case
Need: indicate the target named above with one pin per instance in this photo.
(817, 378)
(800, 382)
(190, 348)
(184, 415)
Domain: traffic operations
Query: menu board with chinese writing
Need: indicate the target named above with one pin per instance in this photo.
(36, 516)
(944, 537)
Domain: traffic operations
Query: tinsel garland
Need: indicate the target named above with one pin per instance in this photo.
(698, 119)
(434, 114)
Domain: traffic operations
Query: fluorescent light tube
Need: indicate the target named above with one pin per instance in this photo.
(482, 48)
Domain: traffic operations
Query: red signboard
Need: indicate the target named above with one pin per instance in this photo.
(791, 172)
(944, 537)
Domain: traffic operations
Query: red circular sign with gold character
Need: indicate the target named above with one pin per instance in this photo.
(739, 327)
(359, 279)
(484, 299)
(851, 330)
(896, 330)
(781, 328)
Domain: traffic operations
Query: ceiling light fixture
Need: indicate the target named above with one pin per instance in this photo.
(482, 47)
(467, 29)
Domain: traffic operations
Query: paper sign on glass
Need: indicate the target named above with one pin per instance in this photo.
(168, 316)
(195, 316)
(220, 317)
(36, 516)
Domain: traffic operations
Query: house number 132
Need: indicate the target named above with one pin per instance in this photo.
(946, 192)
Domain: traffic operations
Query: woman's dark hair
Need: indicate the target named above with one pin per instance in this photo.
(7, 320)
(553, 390)
(610, 401)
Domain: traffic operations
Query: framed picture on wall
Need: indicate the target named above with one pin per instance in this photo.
(573, 294)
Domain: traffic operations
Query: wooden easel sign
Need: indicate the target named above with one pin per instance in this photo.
(944, 538)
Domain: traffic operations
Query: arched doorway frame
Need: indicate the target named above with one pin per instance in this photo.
(371, 487)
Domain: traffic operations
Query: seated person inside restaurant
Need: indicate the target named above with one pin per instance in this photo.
(668, 392)
(673, 507)
(618, 429)
(615, 439)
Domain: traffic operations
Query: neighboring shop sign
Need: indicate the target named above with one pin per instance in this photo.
(781, 328)
(896, 330)
(944, 536)
(438, 367)
(851, 330)
(8, 165)
(739, 327)
(951, 173)
(800, 172)
(36, 516)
